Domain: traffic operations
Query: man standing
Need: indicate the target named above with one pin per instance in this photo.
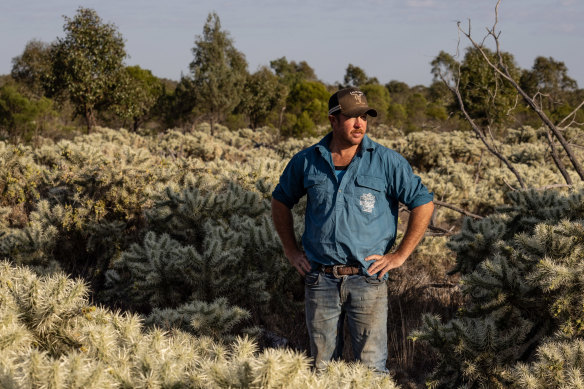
(353, 187)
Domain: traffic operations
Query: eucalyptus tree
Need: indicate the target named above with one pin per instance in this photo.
(356, 76)
(218, 71)
(487, 96)
(263, 96)
(548, 82)
(33, 67)
(306, 107)
(292, 72)
(140, 91)
(88, 63)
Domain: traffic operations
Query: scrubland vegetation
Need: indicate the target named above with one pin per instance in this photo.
(167, 244)
(137, 248)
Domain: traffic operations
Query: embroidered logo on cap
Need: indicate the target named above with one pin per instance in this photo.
(358, 96)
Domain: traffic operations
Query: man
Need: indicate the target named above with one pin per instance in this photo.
(353, 187)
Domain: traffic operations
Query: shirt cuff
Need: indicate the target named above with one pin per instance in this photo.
(279, 195)
(421, 200)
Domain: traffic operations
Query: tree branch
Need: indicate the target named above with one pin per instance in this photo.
(573, 113)
(438, 231)
(457, 209)
(506, 75)
(557, 159)
(455, 89)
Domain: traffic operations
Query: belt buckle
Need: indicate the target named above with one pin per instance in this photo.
(336, 271)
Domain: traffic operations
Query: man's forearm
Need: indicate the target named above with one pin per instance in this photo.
(284, 223)
(417, 225)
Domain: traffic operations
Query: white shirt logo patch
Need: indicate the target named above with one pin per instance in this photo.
(367, 202)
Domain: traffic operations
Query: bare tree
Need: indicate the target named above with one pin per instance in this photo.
(453, 85)
(501, 69)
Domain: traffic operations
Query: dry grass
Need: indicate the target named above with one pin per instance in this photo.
(413, 292)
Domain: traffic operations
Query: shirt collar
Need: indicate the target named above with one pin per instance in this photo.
(323, 144)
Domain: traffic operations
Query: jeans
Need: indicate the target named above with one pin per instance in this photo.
(363, 299)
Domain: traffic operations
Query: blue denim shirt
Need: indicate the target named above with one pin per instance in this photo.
(348, 221)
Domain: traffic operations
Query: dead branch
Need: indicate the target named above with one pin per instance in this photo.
(455, 89)
(556, 158)
(438, 234)
(503, 71)
(457, 209)
(509, 185)
(439, 231)
(571, 114)
(403, 208)
(448, 285)
(554, 186)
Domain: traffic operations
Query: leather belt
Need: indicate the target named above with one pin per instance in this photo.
(341, 270)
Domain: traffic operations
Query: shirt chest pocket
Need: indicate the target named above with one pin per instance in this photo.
(369, 193)
(316, 186)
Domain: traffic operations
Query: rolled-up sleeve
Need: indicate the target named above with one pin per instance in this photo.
(290, 188)
(407, 187)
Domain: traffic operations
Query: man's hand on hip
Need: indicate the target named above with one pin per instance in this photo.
(299, 261)
(384, 263)
(417, 224)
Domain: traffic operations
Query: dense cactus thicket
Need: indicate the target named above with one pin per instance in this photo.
(522, 274)
(174, 231)
(51, 337)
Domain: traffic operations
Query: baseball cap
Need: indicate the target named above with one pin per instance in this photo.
(351, 102)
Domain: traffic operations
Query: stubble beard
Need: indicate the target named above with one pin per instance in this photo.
(356, 136)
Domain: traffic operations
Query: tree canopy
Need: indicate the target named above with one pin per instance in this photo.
(291, 72)
(218, 71)
(263, 94)
(88, 62)
(486, 95)
(139, 92)
(355, 76)
(33, 67)
(84, 75)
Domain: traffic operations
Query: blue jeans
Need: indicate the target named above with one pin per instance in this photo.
(363, 299)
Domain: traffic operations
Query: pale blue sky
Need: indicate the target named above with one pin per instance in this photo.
(389, 39)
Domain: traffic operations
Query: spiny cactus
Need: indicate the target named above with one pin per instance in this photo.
(521, 289)
(558, 364)
(214, 319)
(51, 337)
(478, 239)
(82, 205)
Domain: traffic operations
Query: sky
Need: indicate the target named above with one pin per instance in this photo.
(388, 39)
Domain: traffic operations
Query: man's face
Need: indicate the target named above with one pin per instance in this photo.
(348, 131)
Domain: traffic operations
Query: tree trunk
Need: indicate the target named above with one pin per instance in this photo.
(281, 119)
(89, 118)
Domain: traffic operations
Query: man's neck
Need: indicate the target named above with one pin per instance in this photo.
(343, 154)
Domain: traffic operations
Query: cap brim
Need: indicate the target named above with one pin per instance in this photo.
(359, 111)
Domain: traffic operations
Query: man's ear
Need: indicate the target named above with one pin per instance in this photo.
(332, 119)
